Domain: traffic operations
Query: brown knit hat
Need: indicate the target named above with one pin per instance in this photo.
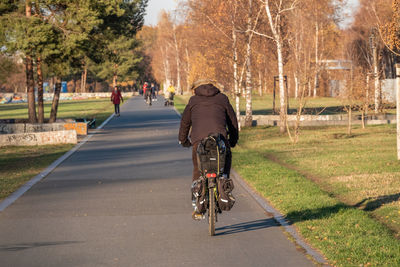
(206, 81)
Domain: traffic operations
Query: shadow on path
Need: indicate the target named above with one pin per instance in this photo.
(246, 226)
(24, 246)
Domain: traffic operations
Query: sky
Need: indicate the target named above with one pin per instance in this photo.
(351, 7)
(154, 7)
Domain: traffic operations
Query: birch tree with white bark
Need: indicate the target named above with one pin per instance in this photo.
(275, 11)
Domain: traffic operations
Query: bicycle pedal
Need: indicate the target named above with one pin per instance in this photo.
(198, 216)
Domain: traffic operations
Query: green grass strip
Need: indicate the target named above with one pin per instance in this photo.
(346, 236)
(20, 164)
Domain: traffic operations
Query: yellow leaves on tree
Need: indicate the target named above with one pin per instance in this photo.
(200, 68)
(391, 30)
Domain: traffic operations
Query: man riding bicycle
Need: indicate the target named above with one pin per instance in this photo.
(208, 111)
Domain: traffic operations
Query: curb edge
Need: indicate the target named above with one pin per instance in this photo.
(317, 256)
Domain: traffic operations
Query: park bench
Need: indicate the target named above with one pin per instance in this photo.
(91, 123)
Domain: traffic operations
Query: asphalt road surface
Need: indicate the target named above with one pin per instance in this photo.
(123, 199)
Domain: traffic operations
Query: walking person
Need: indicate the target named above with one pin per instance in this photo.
(153, 92)
(116, 98)
(144, 89)
(147, 93)
(208, 111)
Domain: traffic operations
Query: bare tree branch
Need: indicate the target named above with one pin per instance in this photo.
(218, 28)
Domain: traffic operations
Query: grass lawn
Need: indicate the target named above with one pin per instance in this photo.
(346, 235)
(19, 164)
(361, 170)
(341, 192)
(100, 109)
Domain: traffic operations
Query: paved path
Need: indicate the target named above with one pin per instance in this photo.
(123, 200)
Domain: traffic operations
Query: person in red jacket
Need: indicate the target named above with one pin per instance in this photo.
(147, 93)
(116, 99)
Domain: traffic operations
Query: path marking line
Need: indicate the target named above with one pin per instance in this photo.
(22, 190)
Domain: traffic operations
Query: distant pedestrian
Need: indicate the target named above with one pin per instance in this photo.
(169, 95)
(145, 87)
(147, 93)
(153, 92)
(116, 99)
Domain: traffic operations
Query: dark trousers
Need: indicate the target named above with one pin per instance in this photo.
(228, 161)
(116, 107)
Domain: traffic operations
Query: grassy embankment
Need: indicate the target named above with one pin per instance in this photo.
(340, 192)
(71, 109)
(19, 164)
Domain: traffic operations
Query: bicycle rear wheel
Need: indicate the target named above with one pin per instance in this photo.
(211, 212)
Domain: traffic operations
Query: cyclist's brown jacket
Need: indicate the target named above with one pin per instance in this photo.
(208, 111)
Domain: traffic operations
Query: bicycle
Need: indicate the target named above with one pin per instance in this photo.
(211, 157)
(148, 100)
(212, 209)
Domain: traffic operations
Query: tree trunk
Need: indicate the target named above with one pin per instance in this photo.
(282, 93)
(278, 41)
(349, 121)
(74, 84)
(363, 118)
(351, 101)
(376, 77)
(178, 65)
(115, 75)
(51, 90)
(249, 112)
(367, 95)
(316, 59)
(56, 98)
(398, 108)
(40, 90)
(166, 70)
(30, 85)
(260, 90)
(188, 69)
(296, 85)
(84, 79)
(235, 73)
(30, 82)
(316, 83)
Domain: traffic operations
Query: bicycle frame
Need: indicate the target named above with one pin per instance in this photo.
(212, 204)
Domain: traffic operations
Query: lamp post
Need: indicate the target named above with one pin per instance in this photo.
(372, 43)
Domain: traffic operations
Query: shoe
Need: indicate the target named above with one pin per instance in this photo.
(197, 216)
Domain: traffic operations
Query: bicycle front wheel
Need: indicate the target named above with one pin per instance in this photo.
(211, 212)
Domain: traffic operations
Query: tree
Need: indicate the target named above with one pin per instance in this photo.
(119, 29)
(275, 23)
(7, 67)
(66, 36)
